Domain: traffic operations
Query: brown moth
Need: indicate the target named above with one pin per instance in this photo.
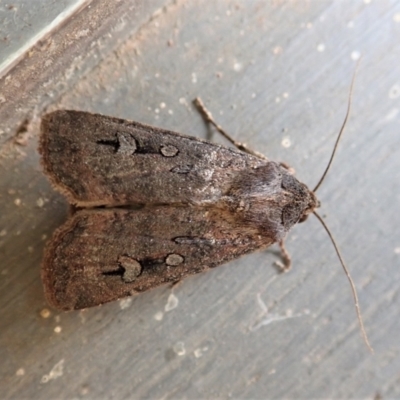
(153, 206)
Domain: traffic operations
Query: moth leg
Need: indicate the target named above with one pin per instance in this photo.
(209, 118)
(290, 169)
(287, 260)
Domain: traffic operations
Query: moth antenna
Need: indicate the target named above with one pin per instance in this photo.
(353, 287)
(341, 129)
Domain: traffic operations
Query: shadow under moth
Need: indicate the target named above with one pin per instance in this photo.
(151, 206)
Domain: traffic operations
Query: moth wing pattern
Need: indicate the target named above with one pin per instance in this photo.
(97, 160)
(85, 265)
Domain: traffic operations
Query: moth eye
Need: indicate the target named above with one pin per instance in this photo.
(290, 215)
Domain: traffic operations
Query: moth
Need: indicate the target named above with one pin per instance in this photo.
(151, 206)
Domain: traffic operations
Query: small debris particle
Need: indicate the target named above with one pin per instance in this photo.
(171, 303)
(237, 66)
(45, 313)
(286, 142)
(40, 202)
(396, 18)
(3, 232)
(58, 329)
(20, 372)
(397, 250)
(321, 47)
(55, 372)
(355, 55)
(179, 348)
(158, 316)
(125, 303)
(162, 105)
(200, 351)
(194, 77)
(17, 202)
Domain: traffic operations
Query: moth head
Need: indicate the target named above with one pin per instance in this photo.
(313, 203)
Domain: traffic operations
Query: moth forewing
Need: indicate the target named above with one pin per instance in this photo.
(103, 255)
(98, 160)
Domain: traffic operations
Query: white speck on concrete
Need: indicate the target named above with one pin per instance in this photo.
(171, 303)
(286, 142)
(392, 114)
(125, 303)
(266, 318)
(355, 55)
(237, 66)
(158, 316)
(179, 348)
(321, 47)
(200, 351)
(55, 372)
